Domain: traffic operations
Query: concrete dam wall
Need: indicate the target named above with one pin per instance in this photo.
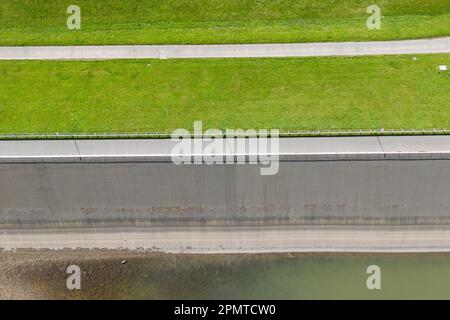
(132, 183)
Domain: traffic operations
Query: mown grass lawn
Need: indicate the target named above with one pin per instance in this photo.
(43, 22)
(162, 95)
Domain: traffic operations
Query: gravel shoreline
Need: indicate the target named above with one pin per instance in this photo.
(41, 274)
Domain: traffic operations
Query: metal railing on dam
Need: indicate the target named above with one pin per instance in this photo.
(354, 180)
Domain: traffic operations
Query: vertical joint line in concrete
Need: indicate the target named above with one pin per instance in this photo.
(78, 150)
(381, 146)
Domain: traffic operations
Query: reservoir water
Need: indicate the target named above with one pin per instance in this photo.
(131, 275)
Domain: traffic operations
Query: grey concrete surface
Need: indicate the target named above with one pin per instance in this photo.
(423, 46)
(70, 194)
(320, 180)
(219, 240)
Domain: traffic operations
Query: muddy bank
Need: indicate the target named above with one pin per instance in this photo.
(115, 274)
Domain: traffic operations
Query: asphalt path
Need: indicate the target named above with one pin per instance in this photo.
(422, 46)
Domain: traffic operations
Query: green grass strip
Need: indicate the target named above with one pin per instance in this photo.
(291, 94)
(43, 22)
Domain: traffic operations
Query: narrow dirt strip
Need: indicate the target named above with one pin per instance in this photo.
(213, 240)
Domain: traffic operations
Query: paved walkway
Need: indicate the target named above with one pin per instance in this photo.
(424, 46)
(290, 149)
